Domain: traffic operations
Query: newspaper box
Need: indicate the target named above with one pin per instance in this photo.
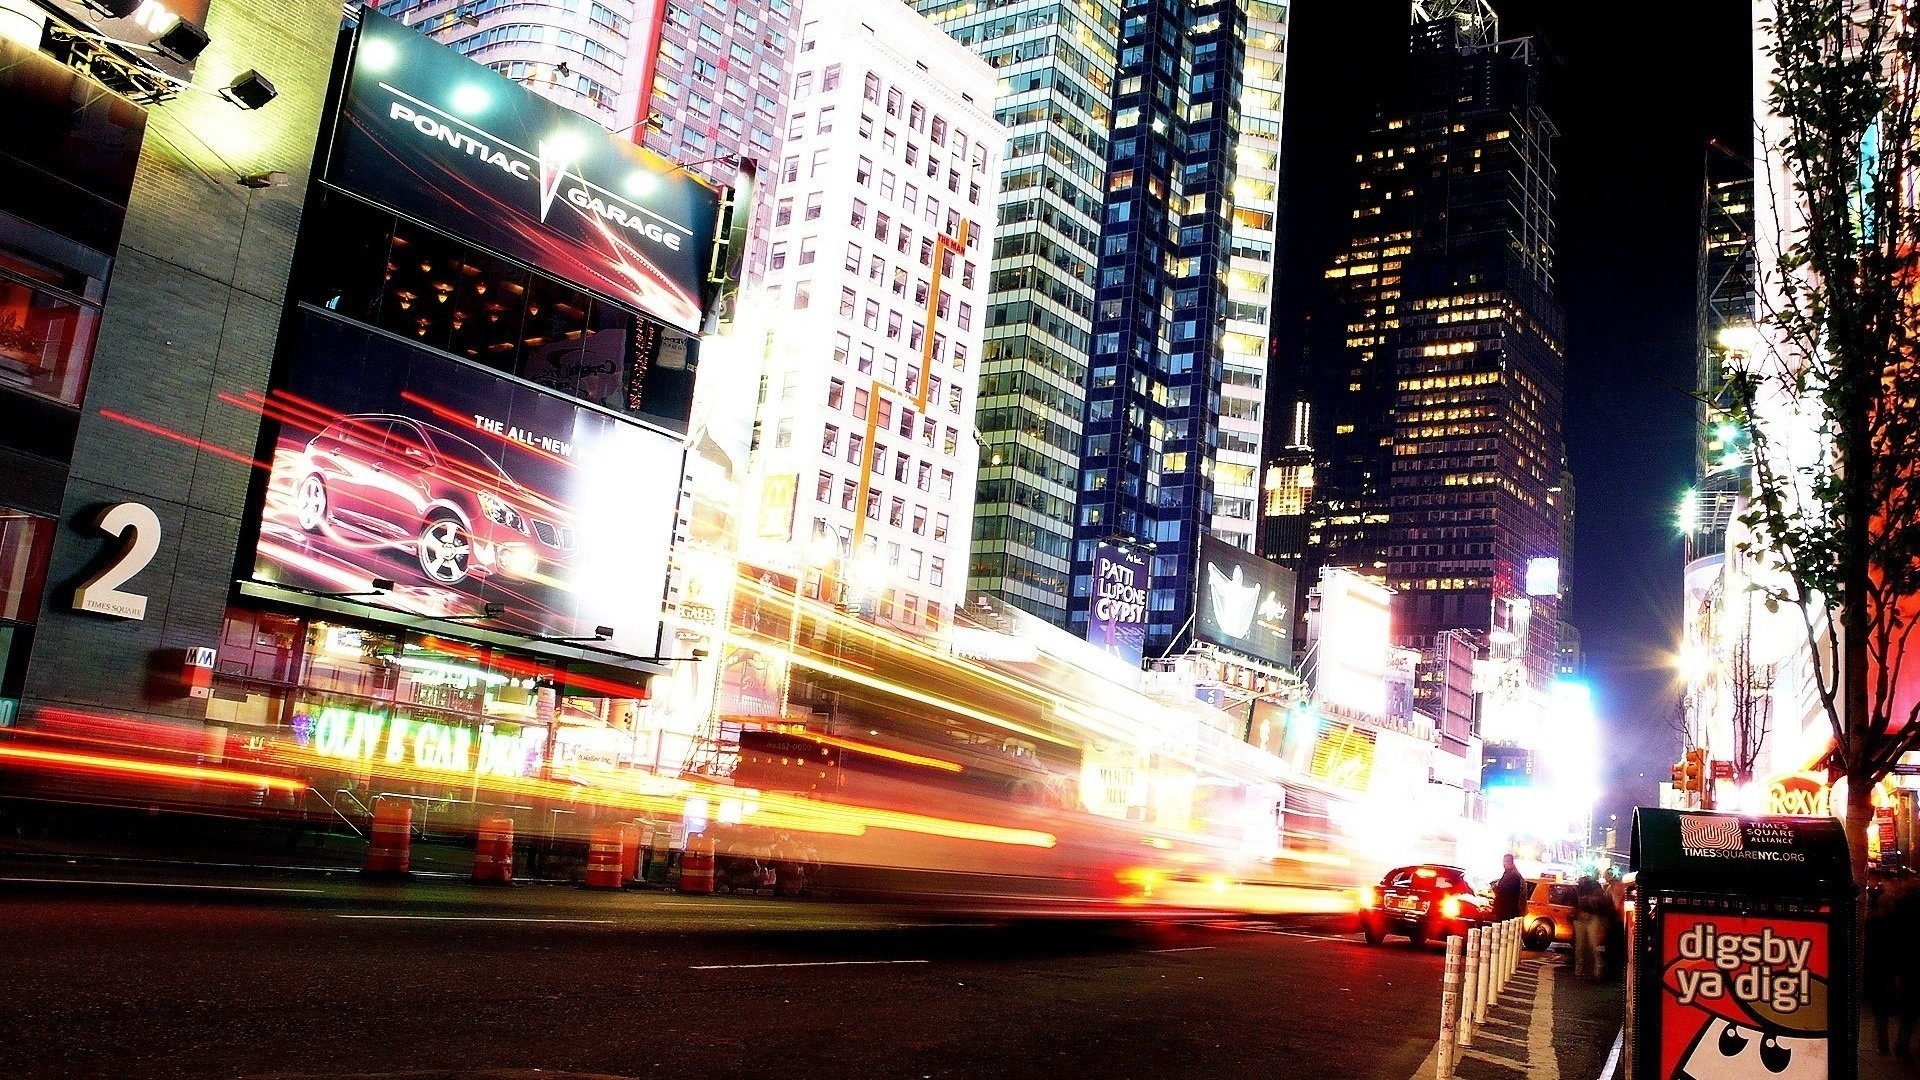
(1742, 951)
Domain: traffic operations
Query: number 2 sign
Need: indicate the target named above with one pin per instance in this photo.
(101, 593)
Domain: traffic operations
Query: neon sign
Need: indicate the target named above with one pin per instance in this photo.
(370, 738)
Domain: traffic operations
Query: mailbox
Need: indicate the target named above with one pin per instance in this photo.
(1742, 948)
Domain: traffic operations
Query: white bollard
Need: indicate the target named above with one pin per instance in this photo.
(1449, 1008)
(1485, 989)
(1506, 954)
(1469, 986)
(1513, 948)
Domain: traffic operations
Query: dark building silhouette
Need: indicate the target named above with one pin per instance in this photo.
(1437, 365)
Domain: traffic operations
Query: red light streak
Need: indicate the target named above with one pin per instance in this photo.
(186, 440)
(101, 764)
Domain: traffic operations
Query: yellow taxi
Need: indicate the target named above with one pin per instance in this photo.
(1549, 917)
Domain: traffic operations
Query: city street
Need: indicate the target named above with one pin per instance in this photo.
(307, 976)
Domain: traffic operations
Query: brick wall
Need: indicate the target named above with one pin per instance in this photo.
(192, 311)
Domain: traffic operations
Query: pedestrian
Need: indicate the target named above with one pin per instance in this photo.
(1880, 973)
(1509, 893)
(1904, 950)
(1615, 961)
(1589, 926)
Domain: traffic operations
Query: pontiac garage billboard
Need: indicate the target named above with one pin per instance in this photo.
(431, 134)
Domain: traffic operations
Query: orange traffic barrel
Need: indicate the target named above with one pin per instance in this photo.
(629, 852)
(493, 851)
(696, 866)
(390, 840)
(603, 857)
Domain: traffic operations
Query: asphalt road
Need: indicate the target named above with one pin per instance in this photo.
(292, 977)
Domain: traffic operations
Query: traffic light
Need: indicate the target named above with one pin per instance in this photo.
(1690, 776)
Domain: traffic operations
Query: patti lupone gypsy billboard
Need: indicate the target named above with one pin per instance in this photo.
(427, 132)
(476, 496)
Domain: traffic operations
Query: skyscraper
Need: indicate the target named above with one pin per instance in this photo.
(1438, 382)
(1177, 370)
(878, 269)
(592, 58)
(1056, 63)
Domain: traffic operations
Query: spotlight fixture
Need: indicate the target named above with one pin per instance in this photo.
(469, 17)
(263, 180)
(561, 69)
(115, 9)
(378, 585)
(250, 90)
(487, 613)
(600, 633)
(184, 41)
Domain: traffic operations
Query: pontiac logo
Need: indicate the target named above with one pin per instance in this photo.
(554, 159)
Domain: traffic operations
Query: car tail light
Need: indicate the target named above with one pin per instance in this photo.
(1369, 899)
(1450, 907)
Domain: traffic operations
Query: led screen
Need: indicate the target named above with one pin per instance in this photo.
(1246, 603)
(480, 498)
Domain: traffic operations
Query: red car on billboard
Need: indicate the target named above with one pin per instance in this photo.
(425, 488)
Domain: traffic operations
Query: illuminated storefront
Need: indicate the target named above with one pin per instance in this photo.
(475, 443)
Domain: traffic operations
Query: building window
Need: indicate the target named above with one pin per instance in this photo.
(852, 262)
(848, 492)
(25, 542)
(823, 488)
(830, 441)
(846, 302)
(936, 571)
(826, 121)
(872, 90)
(48, 315)
(802, 295)
(860, 399)
(941, 523)
(783, 433)
(808, 250)
(830, 78)
(813, 206)
(836, 393)
(859, 218)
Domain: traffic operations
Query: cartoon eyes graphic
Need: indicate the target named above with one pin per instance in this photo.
(1732, 1043)
(1774, 1056)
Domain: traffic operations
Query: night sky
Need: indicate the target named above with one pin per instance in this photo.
(1636, 103)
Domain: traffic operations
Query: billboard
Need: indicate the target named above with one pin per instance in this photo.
(1117, 616)
(476, 496)
(431, 134)
(1245, 603)
(1352, 629)
(1744, 996)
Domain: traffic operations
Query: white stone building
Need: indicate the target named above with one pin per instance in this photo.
(864, 450)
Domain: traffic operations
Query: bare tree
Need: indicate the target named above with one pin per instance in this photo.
(1750, 688)
(1832, 400)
